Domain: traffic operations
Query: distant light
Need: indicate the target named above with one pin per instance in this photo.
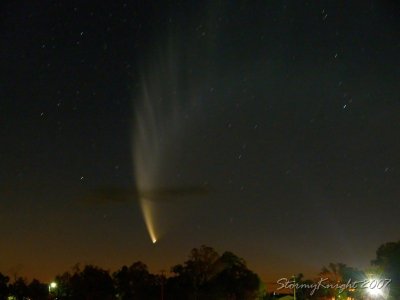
(374, 291)
(154, 241)
(52, 286)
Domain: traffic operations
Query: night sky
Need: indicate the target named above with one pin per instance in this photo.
(274, 133)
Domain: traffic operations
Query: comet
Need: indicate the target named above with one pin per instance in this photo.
(157, 122)
(160, 113)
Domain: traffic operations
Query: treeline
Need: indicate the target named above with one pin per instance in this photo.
(339, 281)
(205, 275)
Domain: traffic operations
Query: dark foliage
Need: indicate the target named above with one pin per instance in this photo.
(388, 259)
(204, 275)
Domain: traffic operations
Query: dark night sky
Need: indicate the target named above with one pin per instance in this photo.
(287, 111)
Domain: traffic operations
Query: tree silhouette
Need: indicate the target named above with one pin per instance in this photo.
(4, 286)
(135, 282)
(234, 280)
(92, 283)
(334, 273)
(340, 274)
(190, 278)
(18, 288)
(38, 290)
(306, 291)
(64, 288)
(206, 275)
(388, 258)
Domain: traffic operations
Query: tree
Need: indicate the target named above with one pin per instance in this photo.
(4, 286)
(233, 279)
(38, 290)
(135, 282)
(339, 274)
(388, 258)
(19, 289)
(190, 278)
(305, 292)
(92, 283)
(334, 272)
(206, 275)
(64, 288)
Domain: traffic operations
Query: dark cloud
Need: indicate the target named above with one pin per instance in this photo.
(104, 195)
